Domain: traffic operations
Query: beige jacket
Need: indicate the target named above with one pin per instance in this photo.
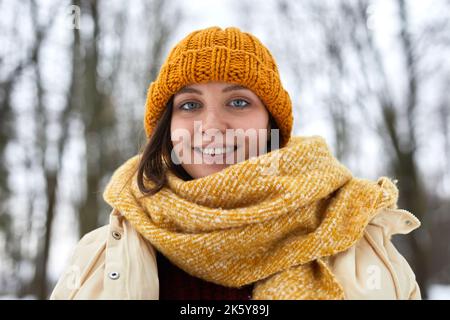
(116, 262)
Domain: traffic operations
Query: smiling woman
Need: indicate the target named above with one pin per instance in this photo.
(287, 221)
(214, 106)
(219, 108)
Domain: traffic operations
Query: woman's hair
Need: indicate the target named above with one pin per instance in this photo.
(158, 150)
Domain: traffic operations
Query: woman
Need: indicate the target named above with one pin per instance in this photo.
(202, 213)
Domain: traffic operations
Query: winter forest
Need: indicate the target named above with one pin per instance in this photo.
(371, 76)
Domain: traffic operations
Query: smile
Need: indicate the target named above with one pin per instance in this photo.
(215, 151)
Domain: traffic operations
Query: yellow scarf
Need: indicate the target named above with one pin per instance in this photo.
(270, 220)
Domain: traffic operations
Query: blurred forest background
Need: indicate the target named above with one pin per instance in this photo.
(371, 76)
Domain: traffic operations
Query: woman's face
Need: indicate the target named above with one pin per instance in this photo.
(217, 124)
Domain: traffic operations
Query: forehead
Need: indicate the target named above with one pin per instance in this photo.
(198, 88)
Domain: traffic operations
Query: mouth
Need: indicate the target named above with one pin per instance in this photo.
(215, 151)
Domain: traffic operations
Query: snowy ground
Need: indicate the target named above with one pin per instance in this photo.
(439, 292)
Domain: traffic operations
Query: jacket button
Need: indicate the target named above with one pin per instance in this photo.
(116, 235)
(114, 275)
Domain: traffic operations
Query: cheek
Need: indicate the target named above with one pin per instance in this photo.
(256, 120)
(181, 123)
(181, 130)
(255, 124)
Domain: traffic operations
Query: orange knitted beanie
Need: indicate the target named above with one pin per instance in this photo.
(228, 55)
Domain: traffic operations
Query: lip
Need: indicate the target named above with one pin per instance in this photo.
(215, 157)
(215, 146)
(225, 147)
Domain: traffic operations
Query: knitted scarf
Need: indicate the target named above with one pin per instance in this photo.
(271, 220)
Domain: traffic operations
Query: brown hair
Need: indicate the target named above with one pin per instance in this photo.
(157, 152)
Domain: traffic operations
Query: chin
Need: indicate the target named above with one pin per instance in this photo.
(206, 169)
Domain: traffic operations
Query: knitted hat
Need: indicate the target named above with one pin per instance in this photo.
(229, 55)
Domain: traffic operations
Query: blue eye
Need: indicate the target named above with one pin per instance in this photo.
(188, 108)
(240, 106)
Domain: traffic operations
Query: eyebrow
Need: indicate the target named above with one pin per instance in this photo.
(229, 88)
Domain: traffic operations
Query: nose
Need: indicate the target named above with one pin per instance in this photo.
(213, 122)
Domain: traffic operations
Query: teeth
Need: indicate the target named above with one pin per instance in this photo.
(214, 151)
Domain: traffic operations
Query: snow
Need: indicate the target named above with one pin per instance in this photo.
(439, 292)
